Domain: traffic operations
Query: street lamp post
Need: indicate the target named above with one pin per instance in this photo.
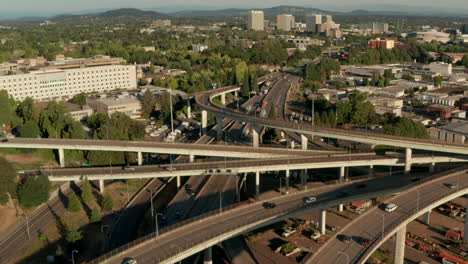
(73, 256)
(156, 222)
(346, 255)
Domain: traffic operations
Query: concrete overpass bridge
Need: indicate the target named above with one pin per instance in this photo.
(205, 101)
(256, 166)
(201, 233)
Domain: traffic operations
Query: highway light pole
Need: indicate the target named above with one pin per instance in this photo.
(346, 255)
(170, 103)
(156, 223)
(73, 256)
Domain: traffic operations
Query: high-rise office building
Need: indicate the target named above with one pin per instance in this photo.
(327, 19)
(464, 28)
(375, 27)
(255, 20)
(285, 22)
(312, 20)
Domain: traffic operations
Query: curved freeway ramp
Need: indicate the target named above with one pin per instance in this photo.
(370, 225)
(204, 99)
(194, 235)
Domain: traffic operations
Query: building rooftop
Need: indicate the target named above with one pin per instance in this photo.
(118, 101)
(456, 127)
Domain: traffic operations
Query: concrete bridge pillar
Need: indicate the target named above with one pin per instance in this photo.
(293, 144)
(61, 153)
(427, 217)
(255, 138)
(257, 184)
(342, 173)
(235, 93)
(191, 158)
(371, 170)
(304, 142)
(432, 167)
(303, 179)
(140, 158)
(223, 99)
(287, 181)
(340, 207)
(465, 235)
(189, 109)
(323, 223)
(101, 186)
(408, 154)
(219, 128)
(204, 121)
(208, 256)
(400, 245)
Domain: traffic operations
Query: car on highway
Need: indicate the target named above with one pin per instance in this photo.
(128, 168)
(451, 186)
(309, 199)
(390, 207)
(170, 168)
(188, 187)
(268, 205)
(129, 261)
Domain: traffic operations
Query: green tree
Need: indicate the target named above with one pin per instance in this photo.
(107, 202)
(245, 89)
(405, 127)
(7, 179)
(95, 215)
(87, 191)
(272, 112)
(80, 99)
(30, 129)
(7, 106)
(148, 104)
(73, 203)
(73, 235)
(34, 191)
(438, 81)
(27, 110)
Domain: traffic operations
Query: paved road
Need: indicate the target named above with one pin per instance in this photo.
(204, 101)
(369, 225)
(16, 238)
(200, 234)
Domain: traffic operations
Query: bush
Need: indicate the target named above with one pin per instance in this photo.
(107, 202)
(34, 191)
(73, 235)
(73, 203)
(4, 198)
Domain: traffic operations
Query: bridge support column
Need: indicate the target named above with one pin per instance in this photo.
(219, 128)
(191, 158)
(140, 158)
(257, 184)
(223, 99)
(287, 181)
(178, 182)
(255, 138)
(61, 153)
(465, 235)
(371, 170)
(342, 173)
(432, 167)
(293, 145)
(303, 179)
(427, 217)
(235, 93)
(101, 186)
(340, 207)
(323, 223)
(208, 256)
(204, 121)
(400, 246)
(304, 142)
(408, 153)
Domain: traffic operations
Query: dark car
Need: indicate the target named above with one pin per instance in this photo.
(346, 239)
(451, 186)
(188, 187)
(364, 241)
(268, 205)
(360, 186)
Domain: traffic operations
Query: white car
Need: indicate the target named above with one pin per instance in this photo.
(391, 207)
(129, 261)
(288, 232)
(309, 199)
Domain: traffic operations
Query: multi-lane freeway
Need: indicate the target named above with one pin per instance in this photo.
(197, 234)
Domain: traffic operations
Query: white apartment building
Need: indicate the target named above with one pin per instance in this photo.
(303, 43)
(285, 22)
(55, 84)
(441, 67)
(256, 20)
(123, 104)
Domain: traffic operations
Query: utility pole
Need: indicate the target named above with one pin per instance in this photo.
(170, 103)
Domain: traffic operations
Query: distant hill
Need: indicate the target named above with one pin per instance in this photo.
(130, 12)
(273, 11)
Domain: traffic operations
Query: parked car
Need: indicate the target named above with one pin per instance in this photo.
(452, 186)
(315, 236)
(268, 205)
(390, 207)
(288, 232)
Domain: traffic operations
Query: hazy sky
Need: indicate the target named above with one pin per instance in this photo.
(57, 6)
